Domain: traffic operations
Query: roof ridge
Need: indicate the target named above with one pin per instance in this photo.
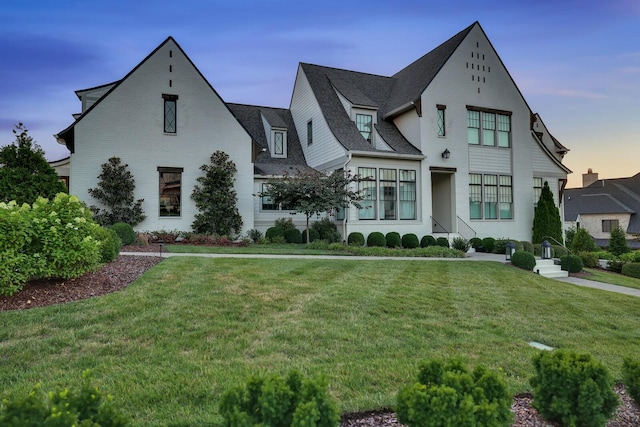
(345, 70)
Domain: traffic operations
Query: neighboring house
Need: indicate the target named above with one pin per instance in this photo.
(446, 146)
(604, 204)
(62, 167)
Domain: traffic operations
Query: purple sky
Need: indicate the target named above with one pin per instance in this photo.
(577, 63)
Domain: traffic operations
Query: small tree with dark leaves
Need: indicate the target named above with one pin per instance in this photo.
(115, 192)
(216, 198)
(25, 174)
(312, 193)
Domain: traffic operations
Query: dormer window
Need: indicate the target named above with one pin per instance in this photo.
(364, 122)
(278, 143)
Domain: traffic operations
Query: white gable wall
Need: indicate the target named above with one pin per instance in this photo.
(304, 107)
(475, 76)
(129, 124)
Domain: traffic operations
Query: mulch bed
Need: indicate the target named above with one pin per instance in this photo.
(126, 268)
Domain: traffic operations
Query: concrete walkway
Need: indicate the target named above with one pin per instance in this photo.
(476, 256)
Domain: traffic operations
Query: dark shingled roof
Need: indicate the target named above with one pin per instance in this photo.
(414, 78)
(361, 89)
(250, 117)
(621, 195)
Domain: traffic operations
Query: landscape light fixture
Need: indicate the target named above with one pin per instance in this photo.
(546, 250)
(510, 248)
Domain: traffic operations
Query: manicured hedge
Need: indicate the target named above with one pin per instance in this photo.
(427, 241)
(631, 269)
(523, 259)
(393, 239)
(571, 263)
(488, 243)
(293, 235)
(356, 239)
(125, 232)
(410, 241)
(376, 239)
(442, 241)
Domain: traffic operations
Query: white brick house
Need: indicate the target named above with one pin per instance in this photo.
(447, 145)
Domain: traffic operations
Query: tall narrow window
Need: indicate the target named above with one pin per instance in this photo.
(473, 127)
(441, 123)
(367, 187)
(170, 191)
(488, 129)
(504, 131)
(506, 197)
(388, 186)
(170, 113)
(407, 194)
(364, 122)
(309, 132)
(278, 143)
(267, 203)
(475, 196)
(490, 197)
(537, 190)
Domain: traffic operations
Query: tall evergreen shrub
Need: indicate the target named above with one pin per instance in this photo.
(546, 220)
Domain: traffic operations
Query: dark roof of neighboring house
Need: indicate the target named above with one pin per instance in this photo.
(250, 117)
(606, 196)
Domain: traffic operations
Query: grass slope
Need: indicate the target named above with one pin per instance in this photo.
(167, 346)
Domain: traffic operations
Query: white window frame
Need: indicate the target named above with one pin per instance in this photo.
(274, 133)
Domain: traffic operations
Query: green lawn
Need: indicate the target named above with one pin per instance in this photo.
(167, 346)
(613, 278)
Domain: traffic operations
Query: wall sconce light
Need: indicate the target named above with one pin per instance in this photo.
(446, 153)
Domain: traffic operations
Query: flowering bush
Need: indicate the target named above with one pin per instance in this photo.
(48, 239)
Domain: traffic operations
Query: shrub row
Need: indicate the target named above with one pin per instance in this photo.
(50, 239)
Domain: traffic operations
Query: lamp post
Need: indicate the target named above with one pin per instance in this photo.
(160, 244)
(510, 248)
(546, 250)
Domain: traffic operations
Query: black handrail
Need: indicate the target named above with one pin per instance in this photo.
(558, 243)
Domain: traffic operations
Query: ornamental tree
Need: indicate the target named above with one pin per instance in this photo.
(115, 192)
(216, 198)
(546, 221)
(312, 193)
(25, 174)
(618, 242)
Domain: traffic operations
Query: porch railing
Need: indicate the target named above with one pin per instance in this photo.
(465, 230)
(437, 227)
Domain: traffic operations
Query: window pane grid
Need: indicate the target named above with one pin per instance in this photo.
(279, 143)
(364, 122)
(170, 116)
(441, 130)
(490, 196)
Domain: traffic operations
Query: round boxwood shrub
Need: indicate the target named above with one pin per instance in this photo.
(313, 235)
(523, 259)
(527, 246)
(125, 232)
(293, 235)
(589, 259)
(442, 241)
(631, 378)
(393, 239)
(571, 263)
(376, 239)
(476, 243)
(488, 243)
(109, 243)
(572, 389)
(273, 232)
(410, 241)
(631, 269)
(356, 239)
(428, 240)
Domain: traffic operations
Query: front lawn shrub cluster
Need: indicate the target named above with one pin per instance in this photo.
(410, 241)
(393, 239)
(125, 232)
(327, 230)
(500, 246)
(276, 401)
(67, 407)
(488, 243)
(583, 242)
(631, 269)
(284, 223)
(447, 394)
(166, 236)
(527, 246)
(254, 235)
(376, 239)
(461, 244)
(293, 235)
(476, 243)
(589, 259)
(442, 241)
(273, 232)
(524, 260)
(573, 389)
(109, 242)
(356, 239)
(55, 238)
(313, 235)
(571, 263)
(631, 378)
(427, 241)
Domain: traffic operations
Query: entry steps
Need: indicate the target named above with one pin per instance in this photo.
(548, 268)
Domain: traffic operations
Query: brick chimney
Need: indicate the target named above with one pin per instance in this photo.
(589, 178)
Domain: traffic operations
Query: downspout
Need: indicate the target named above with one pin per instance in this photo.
(344, 221)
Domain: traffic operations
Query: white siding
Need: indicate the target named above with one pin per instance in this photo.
(304, 107)
(485, 159)
(129, 124)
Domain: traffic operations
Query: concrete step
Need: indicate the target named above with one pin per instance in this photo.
(548, 268)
